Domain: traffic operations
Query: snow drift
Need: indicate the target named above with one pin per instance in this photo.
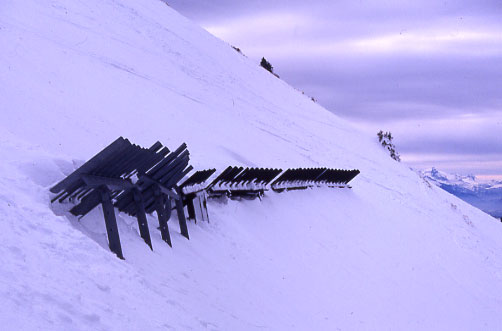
(391, 253)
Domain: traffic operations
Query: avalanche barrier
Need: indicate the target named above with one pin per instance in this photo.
(140, 181)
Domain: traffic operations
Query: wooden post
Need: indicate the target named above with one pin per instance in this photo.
(111, 222)
(181, 214)
(203, 205)
(163, 216)
(141, 216)
(191, 209)
(168, 206)
(200, 208)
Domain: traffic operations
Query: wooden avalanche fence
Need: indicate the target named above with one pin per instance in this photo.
(139, 181)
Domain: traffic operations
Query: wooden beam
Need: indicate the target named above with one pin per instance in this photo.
(111, 223)
(170, 193)
(92, 181)
(89, 202)
(191, 208)
(115, 147)
(163, 217)
(181, 215)
(141, 216)
(203, 206)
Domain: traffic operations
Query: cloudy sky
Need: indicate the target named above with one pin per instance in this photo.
(428, 71)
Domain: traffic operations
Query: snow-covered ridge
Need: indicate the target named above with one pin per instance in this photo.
(465, 181)
(391, 253)
(486, 196)
(468, 181)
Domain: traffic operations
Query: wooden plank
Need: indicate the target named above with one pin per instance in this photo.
(203, 205)
(141, 216)
(168, 159)
(156, 147)
(112, 183)
(191, 208)
(163, 216)
(116, 165)
(166, 172)
(200, 207)
(74, 189)
(152, 160)
(181, 216)
(198, 177)
(111, 223)
(177, 176)
(87, 204)
(219, 177)
(89, 165)
(169, 192)
(148, 195)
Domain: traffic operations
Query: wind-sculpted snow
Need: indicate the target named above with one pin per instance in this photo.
(393, 252)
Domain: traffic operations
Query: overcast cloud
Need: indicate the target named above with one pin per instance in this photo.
(429, 71)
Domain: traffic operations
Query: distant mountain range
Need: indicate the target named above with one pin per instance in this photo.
(486, 196)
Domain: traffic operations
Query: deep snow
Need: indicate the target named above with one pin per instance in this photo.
(391, 253)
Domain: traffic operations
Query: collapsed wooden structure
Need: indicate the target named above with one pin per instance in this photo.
(140, 181)
(133, 179)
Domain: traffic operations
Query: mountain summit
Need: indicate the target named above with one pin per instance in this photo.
(486, 196)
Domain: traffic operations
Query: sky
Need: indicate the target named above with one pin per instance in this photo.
(428, 71)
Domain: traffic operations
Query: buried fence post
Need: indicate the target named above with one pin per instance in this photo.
(168, 207)
(111, 223)
(191, 209)
(203, 207)
(163, 216)
(141, 216)
(200, 207)
(181, 214)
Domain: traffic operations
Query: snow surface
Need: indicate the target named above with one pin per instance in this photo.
(393, 252)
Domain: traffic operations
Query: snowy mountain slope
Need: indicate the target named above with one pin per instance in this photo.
(485, 196)
(391, 253)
